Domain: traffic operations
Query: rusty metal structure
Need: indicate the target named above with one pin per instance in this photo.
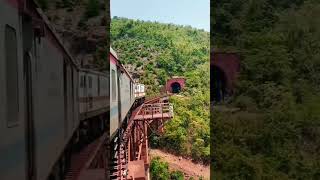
(131, 158)
(91, 163)
(131, 161)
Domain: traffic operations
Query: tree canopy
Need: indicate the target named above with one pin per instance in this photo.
(276, 133)
(155, 52)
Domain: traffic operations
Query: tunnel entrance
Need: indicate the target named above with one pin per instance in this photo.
(218, 84)
(176, 87)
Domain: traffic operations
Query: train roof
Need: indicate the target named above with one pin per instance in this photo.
(113, 53)
(119, 64)
(94, 72)
(44, 18)
(36, 8)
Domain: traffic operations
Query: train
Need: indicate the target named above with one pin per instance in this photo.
(50, 107)
(126, 94)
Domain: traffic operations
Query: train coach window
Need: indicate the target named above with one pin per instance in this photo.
(90, 81)
(130, 89)
(113, 76)
(82, 81)
(98, 81)
(12, 76)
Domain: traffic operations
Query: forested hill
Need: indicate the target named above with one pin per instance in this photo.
(276, 133)
(82, 26)
(153, 52)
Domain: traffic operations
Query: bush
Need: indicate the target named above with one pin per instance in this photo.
(244, 102)
(159, 170)
(154, 140)
(92, 8)
(43, 4)
(67, 3)
(139, 64)
(176, 175)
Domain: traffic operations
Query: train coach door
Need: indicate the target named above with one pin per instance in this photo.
(29, 117)
(119, 98)
(30, 50)
(65, 95)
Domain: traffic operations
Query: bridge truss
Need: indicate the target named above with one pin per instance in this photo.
(131, 158)
(132, 161)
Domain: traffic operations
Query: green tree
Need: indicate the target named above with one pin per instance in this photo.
(277, 91)
(159, 51)
(176, 175)
(92, 8)
(43, 4)
(159, 170)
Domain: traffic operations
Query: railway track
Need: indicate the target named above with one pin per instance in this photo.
(90, 162)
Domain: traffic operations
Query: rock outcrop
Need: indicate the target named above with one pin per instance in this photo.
(84, 36)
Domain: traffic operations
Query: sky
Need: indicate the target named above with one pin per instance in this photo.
(195, 13)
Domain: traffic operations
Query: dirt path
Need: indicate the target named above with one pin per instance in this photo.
(187, 166)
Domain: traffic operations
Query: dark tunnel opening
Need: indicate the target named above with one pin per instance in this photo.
(176, 87)
(217, 84)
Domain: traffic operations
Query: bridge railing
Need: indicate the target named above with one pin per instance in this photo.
(156, 109)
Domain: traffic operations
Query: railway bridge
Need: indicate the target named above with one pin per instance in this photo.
(132, 161)
(131, 158)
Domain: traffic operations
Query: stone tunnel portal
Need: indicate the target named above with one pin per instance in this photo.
(175, 87)
(218, 84)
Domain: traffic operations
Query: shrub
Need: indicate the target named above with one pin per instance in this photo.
(43, 4)
(176, 175)
(159, 170)
(92, 8)
(67, 3)
(139, 64)
(244, 102)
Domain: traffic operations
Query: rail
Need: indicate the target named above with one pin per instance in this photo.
(155, 110)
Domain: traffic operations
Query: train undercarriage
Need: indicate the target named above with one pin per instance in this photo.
(88, 132)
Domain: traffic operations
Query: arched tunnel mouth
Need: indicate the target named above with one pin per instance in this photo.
(176, 87)
(218, 84)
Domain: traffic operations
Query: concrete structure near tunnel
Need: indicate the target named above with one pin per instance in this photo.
(175, 85)
(224, 69)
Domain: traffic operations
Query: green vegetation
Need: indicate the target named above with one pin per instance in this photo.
(43, 4)
(67, 3)
(158, 51)
(159, 170)
(92, 8)
(276, 134)
(176, 175)
(188, 133)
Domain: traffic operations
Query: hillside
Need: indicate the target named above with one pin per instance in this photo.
(153, 52)
(82, 25)
(276, 134)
